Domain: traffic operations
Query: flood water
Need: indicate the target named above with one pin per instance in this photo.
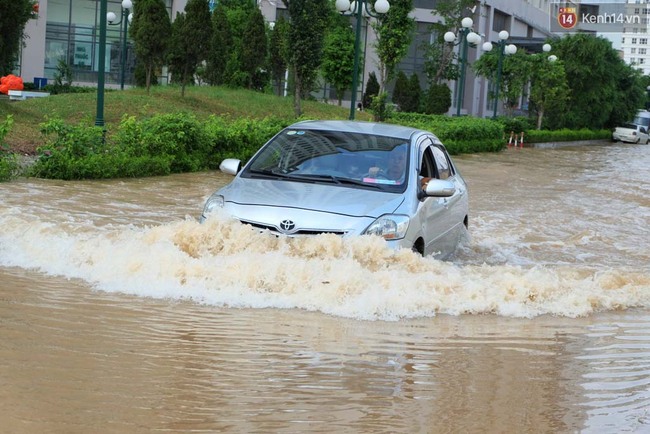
(119, 313)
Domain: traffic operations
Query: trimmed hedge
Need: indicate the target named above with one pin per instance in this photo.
(159, 145)
(174, 143)
(566, 135)
(459, 134)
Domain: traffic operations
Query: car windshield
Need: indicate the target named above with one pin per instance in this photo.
(630, 126)
(348, 159)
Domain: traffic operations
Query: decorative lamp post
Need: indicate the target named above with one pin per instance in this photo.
(546, 48)
(125, 19)
(503, 49)
(466, 36)
(99, 119)
(356, 9)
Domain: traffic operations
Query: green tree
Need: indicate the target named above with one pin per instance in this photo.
(596, 75)
(414, 93)
(150, 31)
(406, 93)
(630, 96)
(439, 55)
(372, 89)
(309, 20)
(220, 46)
(549, 90)
(14, 16)
(437, 99)
(255, 51)
(394, 35)
(278, 52)
(190, 42)
(515, 74)
(338, 56)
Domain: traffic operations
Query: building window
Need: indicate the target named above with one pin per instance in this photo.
(72, 35)
(643, 41)
(500, 21)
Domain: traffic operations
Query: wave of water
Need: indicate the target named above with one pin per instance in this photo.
(224, 263)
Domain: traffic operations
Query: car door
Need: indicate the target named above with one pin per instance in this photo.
(434, 217)
(456, 205)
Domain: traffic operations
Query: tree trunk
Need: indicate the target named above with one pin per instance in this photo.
(540, 116)
(148, 79)
(296, 96)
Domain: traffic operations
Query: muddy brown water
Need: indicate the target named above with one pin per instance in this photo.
(119, 313)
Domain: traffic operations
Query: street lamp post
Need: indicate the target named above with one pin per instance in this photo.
(125, 19)
(99, 119)
(356, 8)
(465, 37)
(503, 49)
(506, 49)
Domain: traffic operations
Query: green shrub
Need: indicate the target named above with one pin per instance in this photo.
(516, 124)
(179, 135)
(240, 138)
(538, 136)
(380, 108)
(459, 134)
(9, 166)
(160, 145)
(437, 99)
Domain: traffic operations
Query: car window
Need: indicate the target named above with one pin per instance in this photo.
(331, 156)
(428, 167)
(442, 163)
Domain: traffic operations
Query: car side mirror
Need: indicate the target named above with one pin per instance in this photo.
(231, 166)
(439, 188)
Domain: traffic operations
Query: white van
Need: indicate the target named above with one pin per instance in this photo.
(642, 118)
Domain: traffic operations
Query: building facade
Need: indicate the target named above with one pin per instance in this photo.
(68, 31)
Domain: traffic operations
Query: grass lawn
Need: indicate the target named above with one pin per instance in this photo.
(202, 101)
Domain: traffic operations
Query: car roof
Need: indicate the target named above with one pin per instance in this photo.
(363, 127)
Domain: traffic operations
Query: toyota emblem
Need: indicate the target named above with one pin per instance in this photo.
(287, 226)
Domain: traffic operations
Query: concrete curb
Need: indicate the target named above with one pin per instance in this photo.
(544, 145)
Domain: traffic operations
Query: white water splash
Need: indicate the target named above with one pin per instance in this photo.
(224, 263)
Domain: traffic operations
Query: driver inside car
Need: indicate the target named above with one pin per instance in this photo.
(395, 170)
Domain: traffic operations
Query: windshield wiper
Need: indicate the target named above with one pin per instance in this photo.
(339, 180)
(314, 177)
(279, 175)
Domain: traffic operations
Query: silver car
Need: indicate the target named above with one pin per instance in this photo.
(351, 178)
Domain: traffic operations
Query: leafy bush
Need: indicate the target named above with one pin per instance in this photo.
(437, 99)
(159, 145)
(516, 124)
(180, 136)
(538, 136)
(240, 138)
(8, 161)
(459, 134)
(380, 108)
(372, 90)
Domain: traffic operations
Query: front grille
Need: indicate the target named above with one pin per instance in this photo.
(299, 232)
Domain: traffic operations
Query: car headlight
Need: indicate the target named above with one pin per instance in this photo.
(215, 201)
(391, 227)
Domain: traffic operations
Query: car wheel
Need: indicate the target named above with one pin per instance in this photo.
(418, 247)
